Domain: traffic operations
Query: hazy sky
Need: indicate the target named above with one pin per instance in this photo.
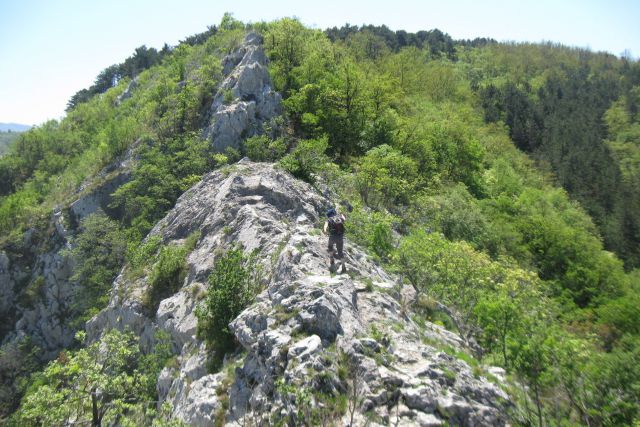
(50, 49)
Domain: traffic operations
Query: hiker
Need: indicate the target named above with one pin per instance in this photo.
(334, 227)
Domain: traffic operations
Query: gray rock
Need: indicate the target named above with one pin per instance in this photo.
(455, 408)
(133, 84)
(165, 379)
(44, 318)
(176, 316)
(254, 100)
(303, 349)
(261, 207)
(422, 399)
(230, 124)
(198, 406)
(322, 317)
(99, 197)
(428, 420)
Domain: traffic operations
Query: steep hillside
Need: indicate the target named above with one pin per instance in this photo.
(308, 330)
(150, 277)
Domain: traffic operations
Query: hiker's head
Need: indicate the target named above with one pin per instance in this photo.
(331, 212)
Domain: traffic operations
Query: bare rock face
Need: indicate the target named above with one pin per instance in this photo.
(39, 293)
(36, 292)
(95, 193)
(309, 334)
(253, 101)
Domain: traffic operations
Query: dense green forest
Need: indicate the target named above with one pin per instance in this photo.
(6, 139)
(502, 180)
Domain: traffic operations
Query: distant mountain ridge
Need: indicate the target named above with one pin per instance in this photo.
(14, 127)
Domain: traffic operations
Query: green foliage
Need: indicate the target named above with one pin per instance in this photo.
(448, 152)
(385, 176)
(17, 361)
(167, 169)
(284, 42)
(140, 256)
(619, 316)
(373, 230)
(168, 272)
(228, 97)
(142, 59)
(451, 272)
(166, 103)
(99, 384)
(98, 252)
(264, 149)
(455, 213)
(566, 253)
(553, 100)
(306, 159)
(233, 284)
(6, 140)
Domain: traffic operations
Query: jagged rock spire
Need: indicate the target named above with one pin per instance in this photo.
(245, 99)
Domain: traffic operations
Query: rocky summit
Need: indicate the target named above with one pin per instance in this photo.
(309, 333)
(245, 100)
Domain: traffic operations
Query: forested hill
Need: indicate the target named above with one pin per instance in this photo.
(573, 110)
(499, 181)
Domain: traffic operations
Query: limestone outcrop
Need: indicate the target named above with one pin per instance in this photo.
(36, 291)
(245, 100)
(310, 338)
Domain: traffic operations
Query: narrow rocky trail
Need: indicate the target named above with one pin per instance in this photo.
(310, 334)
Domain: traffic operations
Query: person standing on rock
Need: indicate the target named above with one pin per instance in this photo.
(334, 227)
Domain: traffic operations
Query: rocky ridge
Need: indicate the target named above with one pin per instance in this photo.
(36, 293)
(311, 338)
(245, 100)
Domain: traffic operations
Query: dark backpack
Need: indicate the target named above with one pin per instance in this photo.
(336, 225)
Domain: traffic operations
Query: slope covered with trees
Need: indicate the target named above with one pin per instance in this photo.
(500, 180)
(6, 139)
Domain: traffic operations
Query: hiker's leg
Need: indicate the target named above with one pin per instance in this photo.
(330, 244)
(340, 246)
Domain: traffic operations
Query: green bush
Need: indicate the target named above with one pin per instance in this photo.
(98, 252)
(18, 359)
(139, 255)
(228, 97)
(455, 213)
(385, 176)
(233, 284)
(168, 273)
(373, 230)
(264, 149)
(64, 393)
(306, 159)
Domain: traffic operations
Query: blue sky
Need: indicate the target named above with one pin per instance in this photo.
(49, 49)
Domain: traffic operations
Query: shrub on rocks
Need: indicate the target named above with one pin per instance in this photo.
(233, 284)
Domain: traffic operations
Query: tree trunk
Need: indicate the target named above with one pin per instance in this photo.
(538, 404)
(96, 419)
